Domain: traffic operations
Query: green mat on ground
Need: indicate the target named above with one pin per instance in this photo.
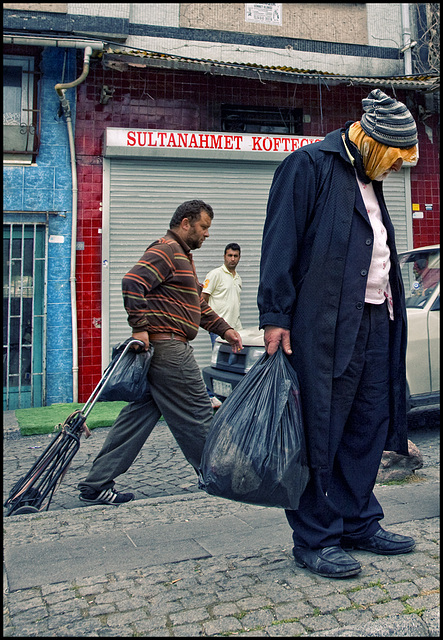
(43, 419)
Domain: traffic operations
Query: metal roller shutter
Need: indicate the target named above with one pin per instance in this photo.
(397, 192)
(142, 195)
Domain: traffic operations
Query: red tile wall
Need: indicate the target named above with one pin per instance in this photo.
(88, 273)
(425, 186)
(175, 100)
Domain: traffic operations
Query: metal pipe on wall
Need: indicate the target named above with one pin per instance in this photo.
(51, 41)
(61, 90)
(406, 33)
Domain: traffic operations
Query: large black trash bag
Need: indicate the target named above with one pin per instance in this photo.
(255, 451)
(129, 380)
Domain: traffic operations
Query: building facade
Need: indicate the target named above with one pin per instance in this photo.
(170, 102)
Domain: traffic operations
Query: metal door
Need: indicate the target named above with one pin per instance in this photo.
(143, 195)
(24, 305)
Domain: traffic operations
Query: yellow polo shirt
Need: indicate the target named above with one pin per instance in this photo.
(224, 290)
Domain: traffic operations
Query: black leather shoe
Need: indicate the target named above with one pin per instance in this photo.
(330, 562)
(383, 542)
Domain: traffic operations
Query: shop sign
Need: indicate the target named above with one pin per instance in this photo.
(210, 141)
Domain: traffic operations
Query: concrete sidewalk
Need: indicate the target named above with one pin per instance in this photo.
(188, 564)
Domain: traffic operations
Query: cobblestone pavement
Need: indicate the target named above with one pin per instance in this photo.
(195, 565)
(159, 470)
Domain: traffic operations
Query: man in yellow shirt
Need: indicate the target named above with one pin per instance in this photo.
(222, 288)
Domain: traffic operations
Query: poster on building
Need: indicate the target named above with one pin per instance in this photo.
(265, 13)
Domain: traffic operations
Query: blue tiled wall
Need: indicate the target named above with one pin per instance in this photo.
(48, 186)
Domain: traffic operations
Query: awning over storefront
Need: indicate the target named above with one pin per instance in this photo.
(121, 59)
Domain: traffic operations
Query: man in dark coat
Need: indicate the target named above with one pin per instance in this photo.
(331, 296)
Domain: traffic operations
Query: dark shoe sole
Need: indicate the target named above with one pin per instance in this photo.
(110, 504)
(380, 552)
(342, 574)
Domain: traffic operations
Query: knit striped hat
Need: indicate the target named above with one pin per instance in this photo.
(388, 121)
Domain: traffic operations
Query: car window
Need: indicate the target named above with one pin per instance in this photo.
(421, 274)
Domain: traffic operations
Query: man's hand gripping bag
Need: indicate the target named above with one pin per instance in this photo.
(255, 451)
(129, 380)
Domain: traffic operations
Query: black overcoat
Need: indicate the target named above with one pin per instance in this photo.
(316, 253)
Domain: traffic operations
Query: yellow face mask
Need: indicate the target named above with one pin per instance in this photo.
(378, 159)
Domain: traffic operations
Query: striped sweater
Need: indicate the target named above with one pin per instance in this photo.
(162, 293)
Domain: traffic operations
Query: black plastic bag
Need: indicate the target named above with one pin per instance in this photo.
(129, 379)
(255, 451)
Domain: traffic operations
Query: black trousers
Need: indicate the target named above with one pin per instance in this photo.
(339, 501)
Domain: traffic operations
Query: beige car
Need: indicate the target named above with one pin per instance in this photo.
(421, 276)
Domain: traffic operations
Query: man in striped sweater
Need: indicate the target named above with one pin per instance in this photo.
(162, 297)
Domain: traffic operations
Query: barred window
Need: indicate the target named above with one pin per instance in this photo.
(20, 110)
(255, 119)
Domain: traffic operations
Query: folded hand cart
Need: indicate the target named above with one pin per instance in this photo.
(34, 491)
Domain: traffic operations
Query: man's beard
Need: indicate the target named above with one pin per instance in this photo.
(193, 243)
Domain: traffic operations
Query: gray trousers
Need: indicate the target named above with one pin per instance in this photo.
(177, 392)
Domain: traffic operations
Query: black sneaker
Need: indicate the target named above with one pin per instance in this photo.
(107, 496)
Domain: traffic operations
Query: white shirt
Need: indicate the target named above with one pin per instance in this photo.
(224, 289)
(378, 288)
